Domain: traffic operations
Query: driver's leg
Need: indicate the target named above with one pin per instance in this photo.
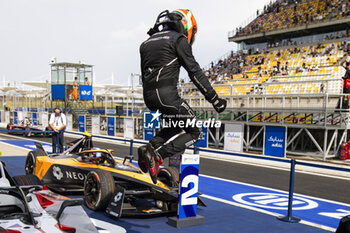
(155, 156)
(157, 141)
(179, 144)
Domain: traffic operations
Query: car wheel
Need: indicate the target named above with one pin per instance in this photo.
(169, 176)
(30, 162)
(99, 188)
(27, 180)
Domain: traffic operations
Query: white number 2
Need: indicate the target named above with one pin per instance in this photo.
(186, 198)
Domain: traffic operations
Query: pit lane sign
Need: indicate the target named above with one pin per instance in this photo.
(188, 191)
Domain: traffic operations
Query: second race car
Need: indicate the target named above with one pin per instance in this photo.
(27, 206)
(27, 128)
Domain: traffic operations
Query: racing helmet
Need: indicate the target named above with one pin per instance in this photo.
(189, 23)
(95, 157)
(179, 20)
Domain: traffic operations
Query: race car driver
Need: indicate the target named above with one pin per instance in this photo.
(162, 54)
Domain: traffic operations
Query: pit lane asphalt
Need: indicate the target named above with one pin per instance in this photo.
(317, 186)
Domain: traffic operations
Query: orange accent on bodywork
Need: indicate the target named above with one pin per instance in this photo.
(43, 164)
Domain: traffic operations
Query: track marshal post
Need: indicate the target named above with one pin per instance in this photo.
(188, 193)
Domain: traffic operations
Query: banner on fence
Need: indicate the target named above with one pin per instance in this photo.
(275, 141)
(111, 126)
(7, 117)
(35, 118)
(233, 140)
(203, 142)
(95, 124)
(148, 134)
(129, 128)
(69, 126)
(81, 120)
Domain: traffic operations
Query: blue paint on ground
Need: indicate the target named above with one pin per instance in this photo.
(219, 217)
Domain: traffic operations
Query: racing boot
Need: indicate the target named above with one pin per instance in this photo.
(142, 161)
(153, 160)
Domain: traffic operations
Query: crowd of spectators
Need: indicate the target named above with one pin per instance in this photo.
(288, 13)
(289, 42)
(233, 64)
(243, 62)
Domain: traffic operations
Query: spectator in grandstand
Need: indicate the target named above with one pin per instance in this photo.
(322, 88)
(260, 73)
(58, 124)
(162, 55)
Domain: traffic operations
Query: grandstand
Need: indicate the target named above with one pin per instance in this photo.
(286, 72)
(286, 14)
(296, 70)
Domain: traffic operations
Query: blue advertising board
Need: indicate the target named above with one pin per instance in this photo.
(203, 142)
(188, 191)
(111, 112)
(148, 134)
(275, 141)
(15, 118)
(58, 92)
(35, 118)
(81, 120)
(86, 92)
(111, 126)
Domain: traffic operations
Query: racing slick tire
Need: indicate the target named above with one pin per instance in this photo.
(99, 188)
(24, 180)
(169, 176)
(30, 162)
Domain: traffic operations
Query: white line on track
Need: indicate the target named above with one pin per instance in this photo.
(265, 212)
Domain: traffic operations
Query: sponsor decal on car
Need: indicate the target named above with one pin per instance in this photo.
(73, 175)
(56, 171)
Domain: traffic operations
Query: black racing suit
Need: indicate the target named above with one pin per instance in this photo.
(162, 55)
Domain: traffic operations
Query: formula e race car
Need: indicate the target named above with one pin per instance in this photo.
(108, 183)
(27, 206)
(26, 128)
